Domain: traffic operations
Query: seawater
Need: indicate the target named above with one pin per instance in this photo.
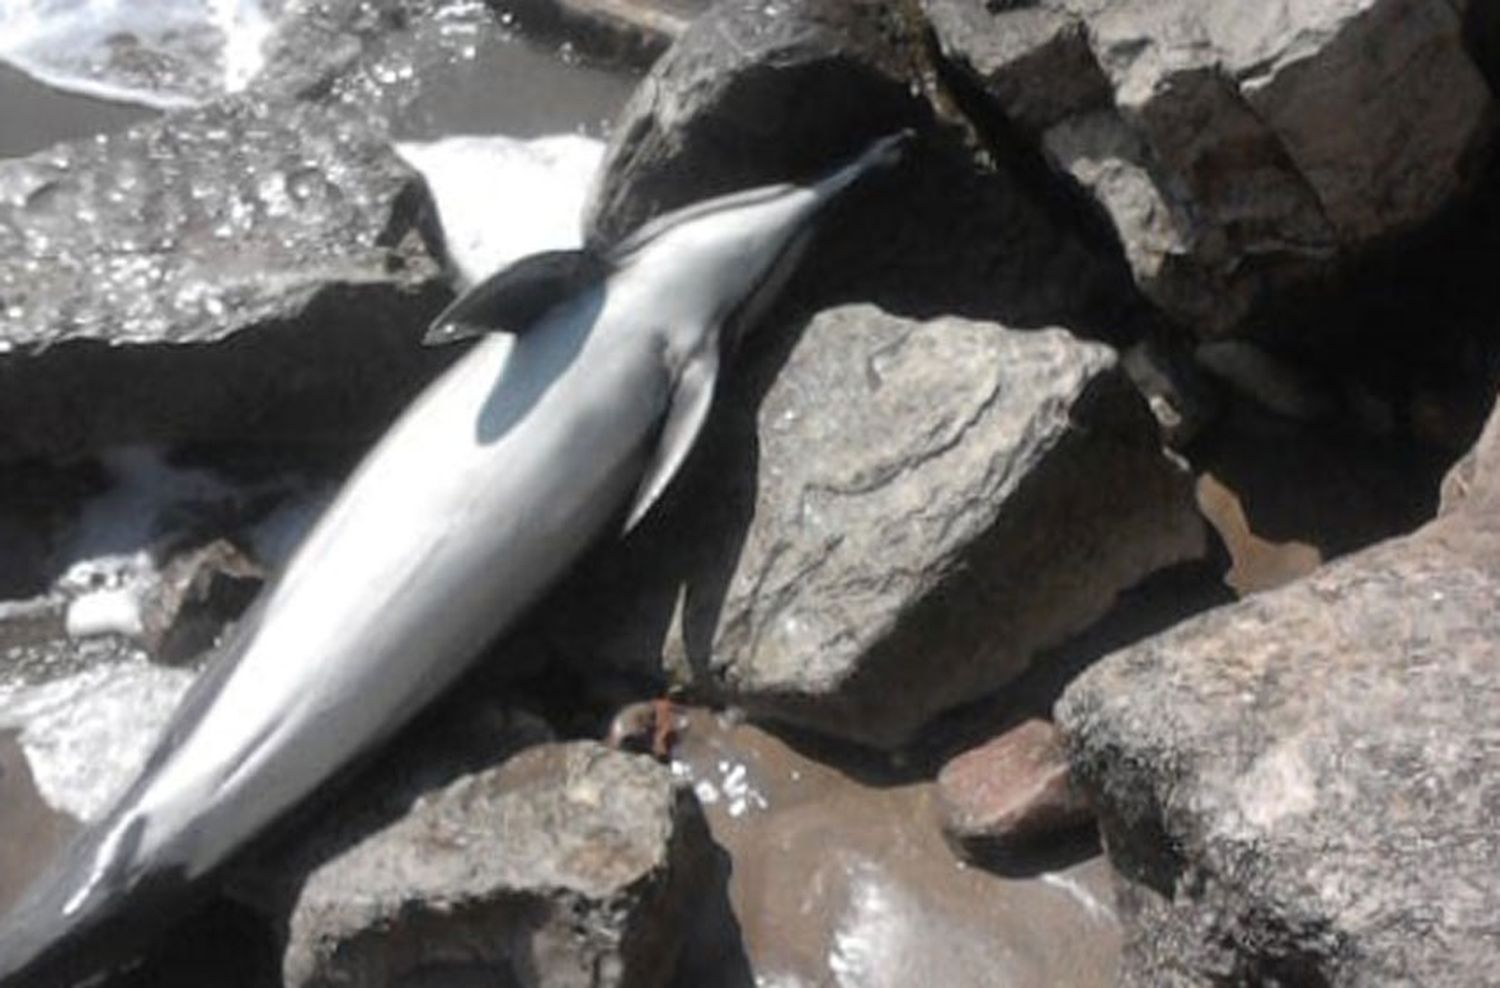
(160, 53)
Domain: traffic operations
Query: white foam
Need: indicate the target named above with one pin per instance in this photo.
(213, 46)
(501, 198)
(104, 612)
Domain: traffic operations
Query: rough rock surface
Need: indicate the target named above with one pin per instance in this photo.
(755, 89)
(1236, 148)
(565, 866)
(1297, 789)
(245, 269)
(892, 523)
(758, 92)
(1012, 789)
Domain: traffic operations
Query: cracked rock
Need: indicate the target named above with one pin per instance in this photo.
(892, 524)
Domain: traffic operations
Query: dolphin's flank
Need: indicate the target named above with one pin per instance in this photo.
(591, 380)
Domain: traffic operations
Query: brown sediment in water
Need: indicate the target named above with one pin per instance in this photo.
(842, 879)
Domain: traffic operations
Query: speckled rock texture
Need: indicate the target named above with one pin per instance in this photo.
(1297, 789)
(245, 270)
(1238, 149)
(567, 866)
(888, 520)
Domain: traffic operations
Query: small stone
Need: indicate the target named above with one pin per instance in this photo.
(1010, 791)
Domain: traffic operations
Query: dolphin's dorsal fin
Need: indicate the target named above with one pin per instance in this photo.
(685, 416)
(514, 298)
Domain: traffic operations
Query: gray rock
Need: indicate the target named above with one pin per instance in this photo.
(427, 69)
(1034, 61)
(630, 31)
(568, 865)
(894, 522)
(1300, 788)
(1240, 148)
(245, 270)
(756, 90)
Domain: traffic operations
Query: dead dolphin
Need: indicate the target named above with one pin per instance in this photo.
(592, 379)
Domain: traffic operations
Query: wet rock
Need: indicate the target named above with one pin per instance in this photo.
(1236, 149)
(567, 865)
(243, 270)
(429, 69)
(631, 31)
(892, 523)
(1010, 791)
(753, 91)
(1298, 789)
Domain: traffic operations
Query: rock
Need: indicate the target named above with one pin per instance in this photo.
(1256, 563)
(1033, 60)
(1473, 480)
(243, 270)
(629, 31)
(754, 91)
(86, 730)
(200, 591)
(893, 523)
(569, 864)
(1298, 789)
(1009, 791)
(1237, 149)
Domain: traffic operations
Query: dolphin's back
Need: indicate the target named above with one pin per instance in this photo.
(495, 479)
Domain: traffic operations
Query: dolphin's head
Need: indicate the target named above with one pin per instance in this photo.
(727, 258)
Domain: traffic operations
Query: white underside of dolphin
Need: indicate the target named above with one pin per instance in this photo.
(590, 382)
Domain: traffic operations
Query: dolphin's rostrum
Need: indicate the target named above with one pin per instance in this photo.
(592, 379)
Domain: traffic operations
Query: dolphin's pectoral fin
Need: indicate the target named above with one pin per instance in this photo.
(685, 416)
(514, 298)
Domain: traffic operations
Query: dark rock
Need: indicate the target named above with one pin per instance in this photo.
(1297, 789)
(1238, 150)
(570, 864)
(1010, 791)
(426, 69)
(893, 523)
(629, 31)
(755, 91)
(244, 270)
(1034, 60)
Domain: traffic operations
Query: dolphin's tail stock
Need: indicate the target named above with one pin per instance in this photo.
(84, 913)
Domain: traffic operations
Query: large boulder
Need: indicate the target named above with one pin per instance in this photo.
(567, 865)
(888, 518)
(1237, 149)
(1298, 789)
(757, 92)
(246, 270)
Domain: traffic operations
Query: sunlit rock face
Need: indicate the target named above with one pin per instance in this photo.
(1297, 788)
(1237, 149)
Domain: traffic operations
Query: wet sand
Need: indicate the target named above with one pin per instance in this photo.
(34, 116)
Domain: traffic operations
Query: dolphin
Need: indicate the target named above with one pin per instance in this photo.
(592, 376)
